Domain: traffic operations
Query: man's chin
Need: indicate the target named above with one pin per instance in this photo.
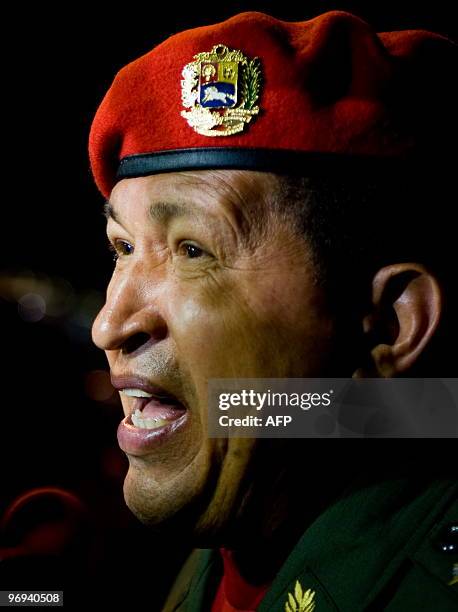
(172, 504)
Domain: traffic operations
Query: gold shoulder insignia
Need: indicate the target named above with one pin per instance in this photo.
(220, 90)
(300, 601)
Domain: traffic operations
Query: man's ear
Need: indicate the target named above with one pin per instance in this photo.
(406, 309)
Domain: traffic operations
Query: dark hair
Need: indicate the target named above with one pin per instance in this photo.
(356, 224)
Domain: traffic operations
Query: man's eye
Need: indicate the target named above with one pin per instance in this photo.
(120, 248)
(191, 251)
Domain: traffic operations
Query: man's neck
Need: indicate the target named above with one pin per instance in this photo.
(279, 506)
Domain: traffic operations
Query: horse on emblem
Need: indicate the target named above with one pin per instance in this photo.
(212, 93)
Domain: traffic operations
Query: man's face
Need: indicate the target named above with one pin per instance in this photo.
(209, 283)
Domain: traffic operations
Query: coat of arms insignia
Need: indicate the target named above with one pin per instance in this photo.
(220, 90)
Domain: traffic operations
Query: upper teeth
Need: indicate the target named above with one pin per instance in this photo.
(136, 393)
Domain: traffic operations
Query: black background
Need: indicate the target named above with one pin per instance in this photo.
(55, 431)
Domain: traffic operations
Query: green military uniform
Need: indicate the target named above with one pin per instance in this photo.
(385, 548)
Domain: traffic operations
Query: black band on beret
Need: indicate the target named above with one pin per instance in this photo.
(273, 160)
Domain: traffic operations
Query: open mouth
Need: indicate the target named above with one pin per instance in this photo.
(152, 411)
(154, 415)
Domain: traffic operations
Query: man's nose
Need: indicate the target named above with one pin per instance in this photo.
(130, 316)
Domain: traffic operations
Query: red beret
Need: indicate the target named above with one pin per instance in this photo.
(257, 92)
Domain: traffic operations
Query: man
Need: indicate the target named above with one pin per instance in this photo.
(267, 185)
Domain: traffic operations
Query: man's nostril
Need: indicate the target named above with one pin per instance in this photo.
(135, 342)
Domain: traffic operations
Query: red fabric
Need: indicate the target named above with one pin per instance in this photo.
(234, 593)
(330, 84)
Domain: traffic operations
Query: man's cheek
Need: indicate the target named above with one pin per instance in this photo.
(201, 330)
(197, 308)
(208, 322)
(229, 346)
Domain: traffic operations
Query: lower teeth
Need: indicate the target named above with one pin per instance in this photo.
(148, 423)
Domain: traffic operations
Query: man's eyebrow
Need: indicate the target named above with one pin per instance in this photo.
(109, 211)
(163, 212)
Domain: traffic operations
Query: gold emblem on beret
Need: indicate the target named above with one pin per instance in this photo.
(220, 90)
(300, 601)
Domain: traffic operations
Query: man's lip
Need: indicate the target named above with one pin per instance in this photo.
(121, 382)
(140, 442)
